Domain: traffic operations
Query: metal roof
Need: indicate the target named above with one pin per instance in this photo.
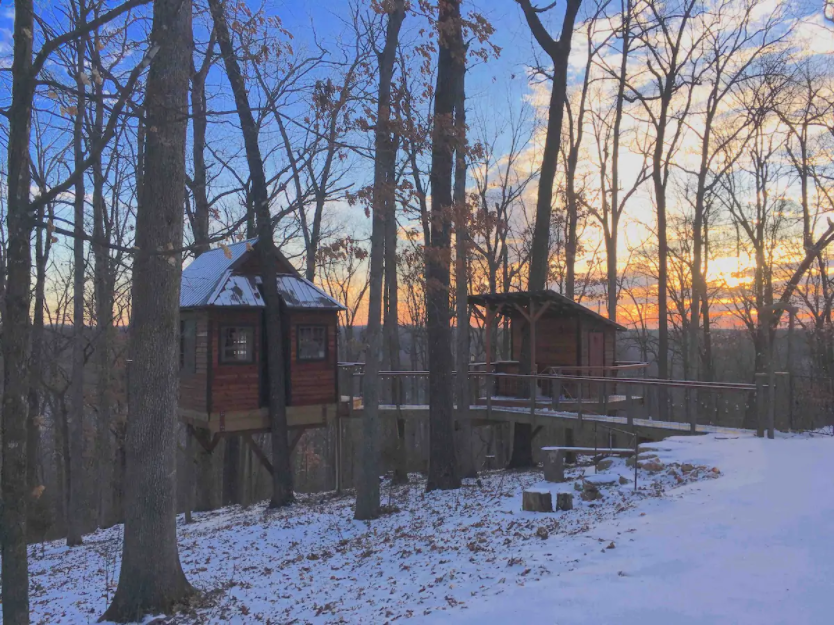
(211, 281)
(505, 302)
(201, 277)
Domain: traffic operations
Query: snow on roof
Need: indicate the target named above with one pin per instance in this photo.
(210, 281)
(201, 277)
(299, 292)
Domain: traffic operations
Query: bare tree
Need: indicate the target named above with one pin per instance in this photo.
(382, 209)
(151, 579)
(282, 492)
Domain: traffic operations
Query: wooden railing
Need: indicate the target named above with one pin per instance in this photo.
(694, 403)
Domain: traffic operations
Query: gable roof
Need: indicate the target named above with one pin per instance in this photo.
(505, 303)
(211, 280)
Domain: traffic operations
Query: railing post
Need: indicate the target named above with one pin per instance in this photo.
(533, 395)
(579, 399)
(556, 388)
(629, 407)
(761, 404)
(489, 382)
(693, 409)
(352, 389)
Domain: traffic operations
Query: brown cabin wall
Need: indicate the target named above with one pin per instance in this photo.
(193, 385)
(313, 382)
(556, 343)
(234, 387)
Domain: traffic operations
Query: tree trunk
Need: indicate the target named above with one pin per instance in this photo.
(382, 209)
(151, 578)
(103, 288)
(443, 472)
(282, 492)
(15, 342)
(76, 513)
(391, 325)
(200, 221)
(36, 370)
(464, 452)
(559, 53)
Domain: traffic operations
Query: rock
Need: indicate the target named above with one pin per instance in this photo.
(591, 495)
(542, 533)
(652, 466)
(605, 464)
(646, 455)
(601, 479)
(687, 468)
(564, 501)
(537, 500)
(611, 545)
(624, 480)
(577, 486)
(590, 492)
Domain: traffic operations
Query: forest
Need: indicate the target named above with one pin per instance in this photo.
(667, 164)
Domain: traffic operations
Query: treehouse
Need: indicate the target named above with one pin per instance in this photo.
(565, 337)
(224, 386)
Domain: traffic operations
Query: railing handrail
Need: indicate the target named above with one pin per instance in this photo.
(729, 386)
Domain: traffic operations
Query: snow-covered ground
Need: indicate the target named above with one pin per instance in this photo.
(750, 542)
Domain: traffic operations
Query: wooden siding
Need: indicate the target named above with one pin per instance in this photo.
(313, 382)
(555, 340)
(193, 385)
(235, 387)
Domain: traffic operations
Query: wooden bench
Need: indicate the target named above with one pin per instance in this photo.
(554, 458)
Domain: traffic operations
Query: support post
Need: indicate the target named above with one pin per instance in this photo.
(782, 398)
(556, 388)
(629, 407)
(761, 403)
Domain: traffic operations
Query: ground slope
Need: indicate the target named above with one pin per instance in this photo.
(749, 543)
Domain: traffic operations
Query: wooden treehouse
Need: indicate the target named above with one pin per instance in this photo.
(565, 339)
(223, 359)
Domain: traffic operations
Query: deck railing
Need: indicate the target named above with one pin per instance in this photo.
(633, 399)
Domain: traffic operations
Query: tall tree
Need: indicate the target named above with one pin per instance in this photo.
(76, 509)
(151, 579)
(15, 565)
(465, 453)
(443, 471)
(559, 52)
(668, 33)
(382, 209)
(282, 492)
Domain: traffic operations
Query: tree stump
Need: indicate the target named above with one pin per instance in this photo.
(554, 465)
(564, 501)
(537, 500)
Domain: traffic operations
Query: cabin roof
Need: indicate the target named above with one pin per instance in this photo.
(506, 302)
(211, 280)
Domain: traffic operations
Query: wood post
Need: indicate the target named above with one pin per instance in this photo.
(629, 407)
(535, 500)
(782, 399)
(556, 392)
(554, 465)
(564, 501)
(761, 404)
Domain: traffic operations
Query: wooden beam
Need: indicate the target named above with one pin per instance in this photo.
(247, 437)
(205, 442)
(523, 312)
(295, 437)
(540, 311)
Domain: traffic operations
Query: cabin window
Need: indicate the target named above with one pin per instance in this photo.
(312, 343)
(237, 344)
(188, 346)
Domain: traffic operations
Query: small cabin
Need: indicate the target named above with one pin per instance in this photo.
(223, 365)
(566, 337)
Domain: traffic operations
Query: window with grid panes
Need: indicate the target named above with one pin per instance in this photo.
(237, 344)
(312, 343)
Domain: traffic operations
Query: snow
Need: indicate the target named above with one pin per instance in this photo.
(748, 542)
